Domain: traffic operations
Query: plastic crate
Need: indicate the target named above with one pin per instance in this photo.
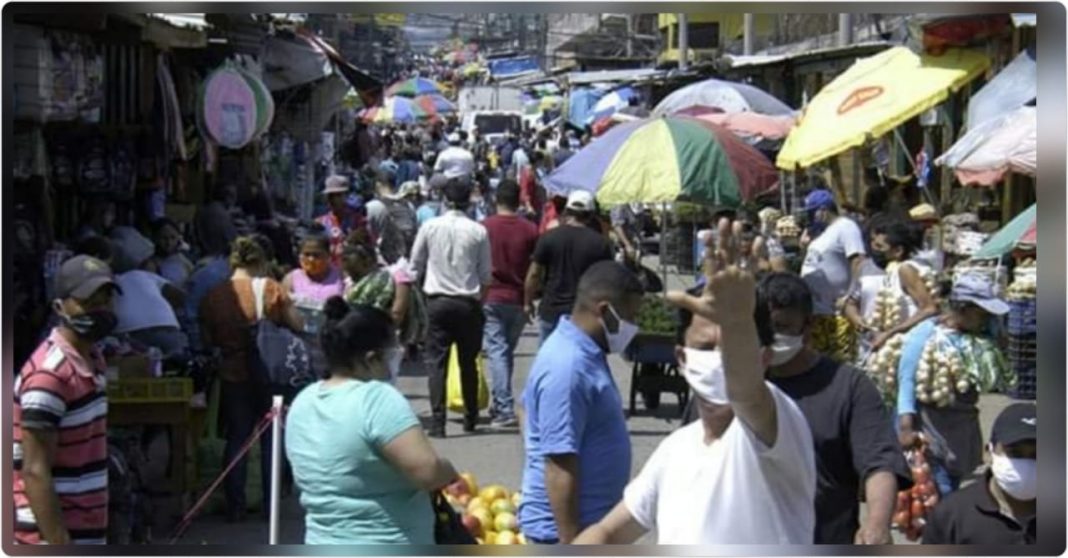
(151, 390)
(1023, 317)
(1026, 384)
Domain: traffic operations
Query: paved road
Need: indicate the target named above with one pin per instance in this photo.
(494, 456)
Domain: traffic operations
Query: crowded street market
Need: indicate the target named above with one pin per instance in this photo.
(523, 279)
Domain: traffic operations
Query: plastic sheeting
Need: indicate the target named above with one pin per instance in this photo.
(611, 103)
(580, 106)
(727, 96)
(984, 154)
(1015, 86)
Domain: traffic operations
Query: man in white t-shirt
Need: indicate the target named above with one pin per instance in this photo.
(455, 161)
(745, 473)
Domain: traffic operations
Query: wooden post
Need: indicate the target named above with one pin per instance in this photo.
(1006, 198)
(856, 176)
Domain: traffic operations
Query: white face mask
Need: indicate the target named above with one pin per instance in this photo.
(1017, 477)
(618, 341)
(785, 348)
(704, 372)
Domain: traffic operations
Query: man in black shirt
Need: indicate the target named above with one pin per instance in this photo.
(856, 452)
(561, 256)
(998, 509)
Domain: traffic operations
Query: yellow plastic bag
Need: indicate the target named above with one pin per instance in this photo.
(454, 395)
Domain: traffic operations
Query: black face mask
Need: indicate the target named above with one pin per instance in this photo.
(91, 326)
(880, 259)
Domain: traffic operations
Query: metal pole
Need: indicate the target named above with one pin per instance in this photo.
(684, 41)
(747, 40)
(630, 35)
(663, 243)
(276, 467)
(845, 29)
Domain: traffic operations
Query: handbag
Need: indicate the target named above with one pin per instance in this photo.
(454, 390)
(284, 359)
(448, 527)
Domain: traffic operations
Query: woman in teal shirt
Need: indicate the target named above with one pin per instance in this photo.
(360, 458)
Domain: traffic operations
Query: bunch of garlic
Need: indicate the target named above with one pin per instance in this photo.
(883, 366)
(940, 375)
(887, 311)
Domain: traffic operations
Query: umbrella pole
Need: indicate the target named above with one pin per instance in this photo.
(782, 191)
(663, 243)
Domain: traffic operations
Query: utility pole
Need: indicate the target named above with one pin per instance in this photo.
(630, 34)
(747, 37)
(845, 29)
(684, 41)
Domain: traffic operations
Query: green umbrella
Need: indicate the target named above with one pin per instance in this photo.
(1004, 241)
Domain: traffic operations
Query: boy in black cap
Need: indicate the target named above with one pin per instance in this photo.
(60, 416)
(998, 509)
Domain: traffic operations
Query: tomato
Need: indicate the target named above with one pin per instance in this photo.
(917, 509)
(902, 500)
(920, 476)
(902, 520)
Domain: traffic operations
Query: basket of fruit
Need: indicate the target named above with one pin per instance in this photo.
(489, 513)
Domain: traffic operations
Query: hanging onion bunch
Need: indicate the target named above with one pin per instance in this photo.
(887, 311)
(883, 364)
(941, 374)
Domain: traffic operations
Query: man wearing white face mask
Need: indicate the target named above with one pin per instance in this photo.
(745, 473)
(999, 509)
(575, 435)
(852, 430)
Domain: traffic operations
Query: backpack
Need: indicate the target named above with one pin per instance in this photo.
(399, 234)
(282, 359)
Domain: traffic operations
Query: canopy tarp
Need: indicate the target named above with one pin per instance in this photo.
(1013, 87)
(874, 96)
(988, 151)
(1020, 230)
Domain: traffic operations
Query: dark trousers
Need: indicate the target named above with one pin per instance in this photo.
(242, 406)
(452, 320)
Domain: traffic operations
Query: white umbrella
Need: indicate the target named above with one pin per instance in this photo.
(991, 149)
(728, 96)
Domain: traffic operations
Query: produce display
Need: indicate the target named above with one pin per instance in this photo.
(787, 227)
(488, 514)
(882, 367)
(656, 316)
(914, 504)
(1025, 281)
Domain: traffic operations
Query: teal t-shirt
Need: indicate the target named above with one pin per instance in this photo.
(350, 493)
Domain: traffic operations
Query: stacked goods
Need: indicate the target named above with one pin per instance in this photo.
(656, 316)
(882, 367)
(488, 514)
(914, 504)
(1022, 327)
(787, 227)
(988, 269)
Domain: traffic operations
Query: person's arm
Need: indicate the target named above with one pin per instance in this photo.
(287, 282)
(401, 296)
(420, 254)
(38, 456)
(484, 264)
(561, 483)
(911, 352)
(880, 494)
(852, 312)
(411, 453)
(618, 527)
(531, 287)
(280, 309)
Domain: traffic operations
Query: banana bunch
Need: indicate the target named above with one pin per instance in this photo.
(941, 375)
(882, 367)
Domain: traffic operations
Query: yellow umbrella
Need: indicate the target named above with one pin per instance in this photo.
(873, 97)
(550, 102)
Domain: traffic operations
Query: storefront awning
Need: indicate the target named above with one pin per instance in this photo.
(873, 97)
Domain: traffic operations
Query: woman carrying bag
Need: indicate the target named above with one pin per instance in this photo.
(364, 467)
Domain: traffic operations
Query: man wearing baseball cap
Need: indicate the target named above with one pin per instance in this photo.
(561, 256)
(999, 508)
(952, 429)
(832, 264)
(455, 161)
(341, 218)
(60, 416)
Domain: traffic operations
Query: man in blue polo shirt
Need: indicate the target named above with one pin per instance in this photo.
(577, 445)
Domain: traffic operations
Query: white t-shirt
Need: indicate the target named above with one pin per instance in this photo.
(455, 161)
(141, 305)
(826, 267)
(734, 491)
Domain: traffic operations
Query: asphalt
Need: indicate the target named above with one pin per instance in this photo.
(493, 456)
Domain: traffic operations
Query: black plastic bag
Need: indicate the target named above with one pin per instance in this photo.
(448, 527)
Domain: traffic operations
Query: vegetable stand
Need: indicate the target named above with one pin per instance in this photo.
(654, 371)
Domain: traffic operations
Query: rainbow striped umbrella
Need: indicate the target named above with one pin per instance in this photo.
(435, 104)
(414, 87)
(666, 159)
(395, 109)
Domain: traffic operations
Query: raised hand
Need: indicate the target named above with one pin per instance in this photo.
(730, 288)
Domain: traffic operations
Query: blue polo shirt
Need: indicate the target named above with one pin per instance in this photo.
(573, 407)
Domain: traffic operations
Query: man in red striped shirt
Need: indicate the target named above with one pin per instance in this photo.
(60, 416)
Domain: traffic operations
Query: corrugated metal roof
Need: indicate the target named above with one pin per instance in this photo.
(738, 61)
(196, 21)
(613, 76)
(1025, 20)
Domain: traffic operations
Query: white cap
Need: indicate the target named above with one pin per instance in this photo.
(453, 138)
(580, 200)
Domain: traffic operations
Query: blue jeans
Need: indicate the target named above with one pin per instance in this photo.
(545, 329)
(945, 481)
(504, 326)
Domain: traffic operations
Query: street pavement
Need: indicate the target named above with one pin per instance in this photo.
(494, 457)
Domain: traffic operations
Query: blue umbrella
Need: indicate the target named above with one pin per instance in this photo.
(612, 103)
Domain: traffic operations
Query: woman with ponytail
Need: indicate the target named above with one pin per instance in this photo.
(364, 467)
(227, 313)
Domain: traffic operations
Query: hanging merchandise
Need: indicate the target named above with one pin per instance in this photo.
(264, 103)
(123, 168)
(227, 108)
(94, 169)
(173, 134)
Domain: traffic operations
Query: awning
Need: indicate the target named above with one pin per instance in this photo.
(999, 145)
(1013, 87)
(1019, 231)
(873, 97)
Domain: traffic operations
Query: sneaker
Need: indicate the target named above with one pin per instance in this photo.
(470, 423)
(505, 422)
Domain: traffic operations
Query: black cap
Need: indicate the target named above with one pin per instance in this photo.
(81, 276)
(1016, 423)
